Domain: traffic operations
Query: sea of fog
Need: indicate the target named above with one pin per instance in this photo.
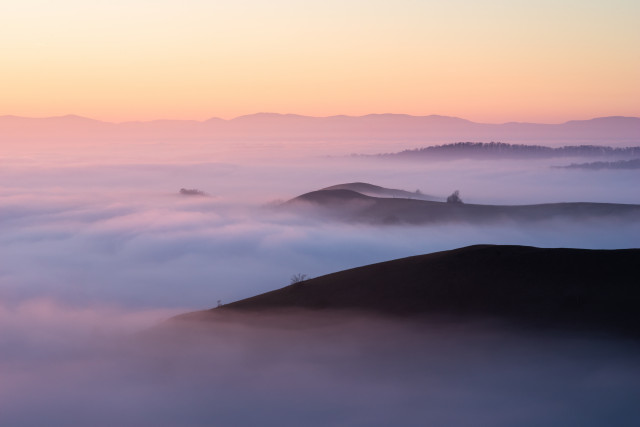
(97, 244)
(347, 372)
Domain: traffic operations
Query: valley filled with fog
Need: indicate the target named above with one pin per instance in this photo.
(97, 244)
(108, 224)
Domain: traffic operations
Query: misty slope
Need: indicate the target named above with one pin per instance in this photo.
(352, 206)
(377, 191)
(563, 287)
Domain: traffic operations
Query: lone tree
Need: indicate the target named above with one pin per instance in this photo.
(297, 278)
(454, 197)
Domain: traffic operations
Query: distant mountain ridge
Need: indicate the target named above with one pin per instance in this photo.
(376, 126)
(575, 288)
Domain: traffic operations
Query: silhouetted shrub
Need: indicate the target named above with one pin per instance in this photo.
(454, 197)
(297, 278)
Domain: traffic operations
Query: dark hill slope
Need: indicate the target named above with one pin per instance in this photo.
(348, 205)
(558, 287)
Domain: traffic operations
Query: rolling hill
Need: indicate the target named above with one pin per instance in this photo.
(500, 150)
(377, 191)
(617, 165)
(344, 204)
(565, 288)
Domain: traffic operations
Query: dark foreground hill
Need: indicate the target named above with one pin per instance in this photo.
(351, 206)
(566, 288)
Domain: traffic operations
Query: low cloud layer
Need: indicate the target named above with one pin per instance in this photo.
(354, 372)
(97, 245)
(100, 226)
(120, 233)
(168, 251)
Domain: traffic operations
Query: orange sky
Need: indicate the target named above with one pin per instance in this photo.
(490, 61)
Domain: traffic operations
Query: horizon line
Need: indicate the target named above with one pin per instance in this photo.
(264, 113)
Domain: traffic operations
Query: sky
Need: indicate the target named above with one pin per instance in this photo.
(490, 61)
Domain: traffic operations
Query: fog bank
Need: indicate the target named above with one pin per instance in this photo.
(358, 371)
(97, 243)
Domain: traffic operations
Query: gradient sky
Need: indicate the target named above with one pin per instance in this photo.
(493, 61)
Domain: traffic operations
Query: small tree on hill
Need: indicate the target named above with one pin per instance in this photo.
(454, 197)
(297, 278)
